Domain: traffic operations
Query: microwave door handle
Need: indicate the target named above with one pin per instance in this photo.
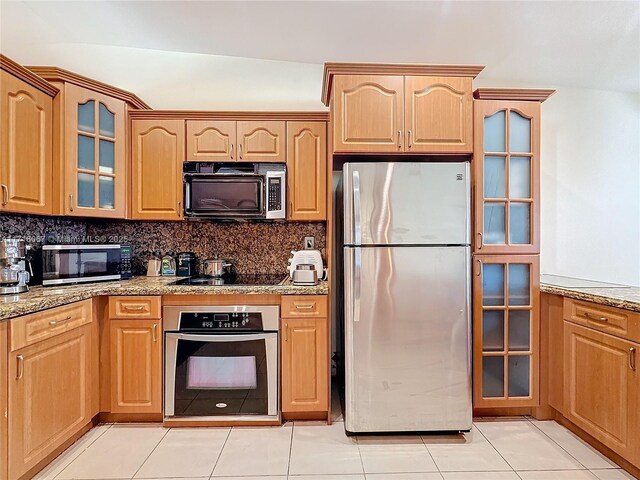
(210, 337)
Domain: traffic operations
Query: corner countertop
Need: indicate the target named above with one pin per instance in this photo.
(41, 298)
(611, 294)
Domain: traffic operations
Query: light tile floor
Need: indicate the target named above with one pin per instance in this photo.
(510, 449)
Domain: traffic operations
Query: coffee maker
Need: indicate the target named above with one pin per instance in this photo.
(14, 276)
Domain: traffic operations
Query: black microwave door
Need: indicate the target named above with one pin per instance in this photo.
(221, 378)
(80, 263)
(225, 196)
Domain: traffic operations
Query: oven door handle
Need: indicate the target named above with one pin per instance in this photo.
(211, 337)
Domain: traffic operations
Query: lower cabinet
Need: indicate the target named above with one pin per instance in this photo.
(602, 388)
(305, 365)
(136, 365)
(4, 401)
(49, 396)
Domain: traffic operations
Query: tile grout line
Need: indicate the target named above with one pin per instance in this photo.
(496, 449)
(364, 473)
(431, 456)
(293, 425)
(151, 452)
(220, 454)
(561, 447)
(109, 425)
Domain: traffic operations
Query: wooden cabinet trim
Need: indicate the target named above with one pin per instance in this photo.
(27, 76)
(204, 115)
(514, 94)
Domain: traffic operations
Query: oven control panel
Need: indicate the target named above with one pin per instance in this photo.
(221, 321)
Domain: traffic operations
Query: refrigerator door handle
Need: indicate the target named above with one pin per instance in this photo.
(357, 263)
(357, 221)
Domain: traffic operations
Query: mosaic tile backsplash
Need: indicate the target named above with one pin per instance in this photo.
(252, 247)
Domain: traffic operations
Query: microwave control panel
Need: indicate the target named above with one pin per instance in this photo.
(126, 253)
(275, 194)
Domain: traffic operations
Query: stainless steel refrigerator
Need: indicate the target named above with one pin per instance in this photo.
(407, 329)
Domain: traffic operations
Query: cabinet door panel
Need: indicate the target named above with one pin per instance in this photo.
(368, 114)
(95, 173)
(157, 156)
(602, 390)
(506, 330)
(208, 140)
(304, 365)
(136, 366)
(261, 141)
(307, 170)
(49, 396)
(438, 114)
(506, 171)
(26, 149)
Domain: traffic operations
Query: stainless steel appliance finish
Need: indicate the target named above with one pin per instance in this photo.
(305, 274)
(215, 267)
(221, 363)
(407, 300)
(15, 268)
(13, 248)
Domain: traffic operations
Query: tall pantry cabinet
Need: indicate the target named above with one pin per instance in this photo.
(506, 246)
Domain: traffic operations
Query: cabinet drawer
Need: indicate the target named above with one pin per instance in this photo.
(622, 323)
(134, 307)
(40, 326)
(304, 306)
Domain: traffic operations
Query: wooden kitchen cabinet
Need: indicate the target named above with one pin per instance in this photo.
(305, 374)
(261, 141)
(4, 398)
(368, 113)
(156, 169)
(210, 140)
(49, 396)
(26, 141)
(136, 365)
(307, 170)
(438, 114)
(506, 171)
(602, 388)
(506, 329)
(94, 156)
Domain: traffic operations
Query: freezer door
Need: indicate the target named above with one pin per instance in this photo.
(407, 339)
(391, 203)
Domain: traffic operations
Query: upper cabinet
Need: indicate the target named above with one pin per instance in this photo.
(209, 140)
(307, 170)
(506, 169)
(157, 153)
(90, 139)
(261, 141)
(400, 108)
(26, 135)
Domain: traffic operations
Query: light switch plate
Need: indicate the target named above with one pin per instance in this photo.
(309, 243)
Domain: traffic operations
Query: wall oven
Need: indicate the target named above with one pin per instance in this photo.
(221, 363)
(237, 191)
(70, 264)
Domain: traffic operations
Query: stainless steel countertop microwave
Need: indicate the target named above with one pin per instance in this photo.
(235, 191)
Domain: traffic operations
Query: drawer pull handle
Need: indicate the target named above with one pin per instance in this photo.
(139, 308)
(19, 367)
(632, 358)
(304, 307)
(593, 317)
(5, 194)
(154, 332)
(53, 323)
(286, 332)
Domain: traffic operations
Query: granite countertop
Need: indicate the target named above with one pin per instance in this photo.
(40, 298)
(611, 294)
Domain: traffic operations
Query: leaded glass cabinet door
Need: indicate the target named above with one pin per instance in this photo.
(95, 151)
(506, 330)
(507, 177)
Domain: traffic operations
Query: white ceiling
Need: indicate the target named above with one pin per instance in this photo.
(269, 55)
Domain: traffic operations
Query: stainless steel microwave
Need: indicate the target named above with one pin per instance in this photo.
(236, 191)
(70, 264)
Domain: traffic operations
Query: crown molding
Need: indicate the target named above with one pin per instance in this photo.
(27, 76)
(514, 94)
(227, 115)
(346, 68)
(61, 75)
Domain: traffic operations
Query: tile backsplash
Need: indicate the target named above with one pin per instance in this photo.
(253, 247)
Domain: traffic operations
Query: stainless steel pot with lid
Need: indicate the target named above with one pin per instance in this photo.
(215, 267)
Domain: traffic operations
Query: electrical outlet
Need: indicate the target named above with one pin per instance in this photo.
(309, 243)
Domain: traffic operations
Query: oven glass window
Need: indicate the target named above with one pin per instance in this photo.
(227, 377)
(229, 196)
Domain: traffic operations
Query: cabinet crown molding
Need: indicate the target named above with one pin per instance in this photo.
(27, 76)
(61, 75)
(227, 115)
(347, 68)
(514, 94)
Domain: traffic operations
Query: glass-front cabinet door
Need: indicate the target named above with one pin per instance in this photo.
(506, 330)
(507, 177)
(94, 154)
